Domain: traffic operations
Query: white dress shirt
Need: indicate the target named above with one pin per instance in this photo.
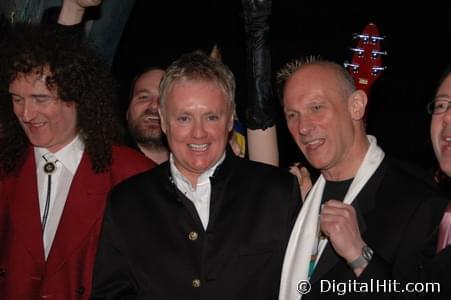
(199, 194)
(68, 158)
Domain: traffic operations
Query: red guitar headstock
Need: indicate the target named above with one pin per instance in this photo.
(367, 64)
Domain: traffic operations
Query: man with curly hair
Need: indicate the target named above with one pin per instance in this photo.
(58, 162)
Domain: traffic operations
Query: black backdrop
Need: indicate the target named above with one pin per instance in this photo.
(418, 39)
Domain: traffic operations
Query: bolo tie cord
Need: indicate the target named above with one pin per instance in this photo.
(49, 168)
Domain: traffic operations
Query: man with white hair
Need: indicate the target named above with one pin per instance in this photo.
(206, 224)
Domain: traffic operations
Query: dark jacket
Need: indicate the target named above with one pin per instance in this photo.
(153, 244)
(398, 214)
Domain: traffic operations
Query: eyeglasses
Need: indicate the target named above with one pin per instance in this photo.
(438, 107)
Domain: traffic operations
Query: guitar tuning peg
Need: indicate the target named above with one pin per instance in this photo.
(375, 70)
(375, 53)
(363, 37)
(359, 51)
(375, 38)
(354, 67)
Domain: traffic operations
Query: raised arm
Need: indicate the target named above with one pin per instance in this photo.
(72, 11)
(260, 113)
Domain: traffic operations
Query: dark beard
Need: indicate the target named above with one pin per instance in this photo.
(152, 140)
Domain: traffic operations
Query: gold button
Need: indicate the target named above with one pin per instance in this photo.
(193, 235)
(196, 283)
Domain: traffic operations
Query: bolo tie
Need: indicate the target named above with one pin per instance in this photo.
(49, 169)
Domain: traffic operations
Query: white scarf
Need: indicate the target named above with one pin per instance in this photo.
(304, 234)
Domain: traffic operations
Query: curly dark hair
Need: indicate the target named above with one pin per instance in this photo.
(78, 74)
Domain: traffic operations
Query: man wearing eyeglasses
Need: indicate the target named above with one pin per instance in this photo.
(441, 142)
(441, 124)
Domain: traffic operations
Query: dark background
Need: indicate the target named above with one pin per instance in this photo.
(418, 40)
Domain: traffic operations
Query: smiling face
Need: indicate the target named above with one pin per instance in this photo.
(142, 115)
(441, 128)
(324, 121)
(197, 118)
(47, 121)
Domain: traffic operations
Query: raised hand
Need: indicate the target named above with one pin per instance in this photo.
(84, 3)
(303, 177)
(72, 11)
(338, 222)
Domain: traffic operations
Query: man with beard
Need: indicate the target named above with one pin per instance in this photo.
(142, 116)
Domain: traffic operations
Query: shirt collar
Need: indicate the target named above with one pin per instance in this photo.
(69, 156)
(202, 179)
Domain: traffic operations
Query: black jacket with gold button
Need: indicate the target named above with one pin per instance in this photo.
(153, 244)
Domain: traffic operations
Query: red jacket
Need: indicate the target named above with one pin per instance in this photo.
(67, 274)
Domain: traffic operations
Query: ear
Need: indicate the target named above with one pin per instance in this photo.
(126, 114)
(231, 119)
(357, 102)
(162, 121)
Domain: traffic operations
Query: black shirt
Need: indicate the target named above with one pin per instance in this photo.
(336, 190)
